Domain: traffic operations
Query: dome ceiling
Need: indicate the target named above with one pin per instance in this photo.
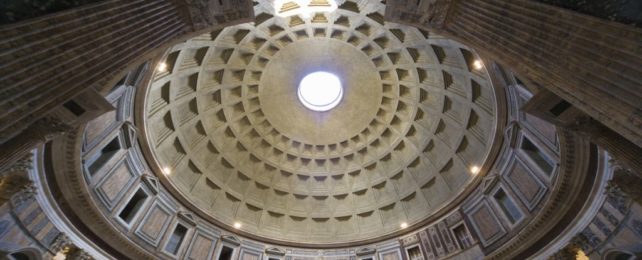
(226, 126)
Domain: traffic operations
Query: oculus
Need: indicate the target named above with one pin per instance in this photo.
(320, 91)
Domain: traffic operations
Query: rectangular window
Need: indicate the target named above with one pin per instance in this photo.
(74, 108)
(537, 155)
(226, 253)
(558, 109)
(104, 155)
(463, 238)
(132, 207)
(508, 206)
(176, 239)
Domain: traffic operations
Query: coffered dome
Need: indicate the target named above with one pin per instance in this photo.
(225, 125)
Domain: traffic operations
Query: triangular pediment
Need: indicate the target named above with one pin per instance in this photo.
(151, 182)
(275, 251)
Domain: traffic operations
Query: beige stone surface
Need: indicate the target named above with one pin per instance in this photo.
(226, 121)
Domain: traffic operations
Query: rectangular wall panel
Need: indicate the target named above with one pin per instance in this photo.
(154, 223)
(201, 247)
(525, 184)
(485, 223)
(114, 184)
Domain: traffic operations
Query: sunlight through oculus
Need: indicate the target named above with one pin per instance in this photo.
(320, 91)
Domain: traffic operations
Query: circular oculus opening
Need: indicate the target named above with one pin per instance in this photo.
(320, 91)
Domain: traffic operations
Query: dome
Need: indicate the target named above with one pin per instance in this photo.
(320, 130)
(224, 123)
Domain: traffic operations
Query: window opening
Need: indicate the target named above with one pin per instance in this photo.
(226, 253)
(176, 239)
(133, 206)
(537, 155)
(74, 108)
(104, 155)
(508, 206)
(558, 109)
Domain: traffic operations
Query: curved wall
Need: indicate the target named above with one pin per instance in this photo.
(524, 188)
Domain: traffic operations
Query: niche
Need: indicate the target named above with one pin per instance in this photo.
(176, 239)
(104, 155)
(537, 155)
(414, 253)
(134, 205)
(508, 206)
(226, 253)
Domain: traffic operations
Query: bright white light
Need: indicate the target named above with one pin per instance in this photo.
(475, 169)
(478, 64)
(167, 170)
(237, 225)
(162, 67)
(404, 225)
(320, 91)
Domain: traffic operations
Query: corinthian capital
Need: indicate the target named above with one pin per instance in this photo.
(48, 127)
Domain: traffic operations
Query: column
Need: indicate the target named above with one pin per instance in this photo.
(46, 61)
(594, 64)
(18, 147)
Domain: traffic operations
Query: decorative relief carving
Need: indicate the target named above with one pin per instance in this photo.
(409, 240)
(616, 197)
(25, 193)
(79, 254)
(60, 243)
(568, 252)
(48, 127)
(15, 181)
(627, 181)
(453, 218)
(581, 241)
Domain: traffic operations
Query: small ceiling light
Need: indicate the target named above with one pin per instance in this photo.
(404, 225)
(162, 67)
(475, 169)
(478, 64)
(320, 91)
(167, 170)
(237, 225)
